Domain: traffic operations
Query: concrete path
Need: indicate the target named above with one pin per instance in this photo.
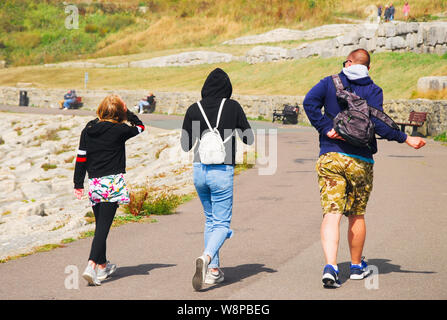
(275, 252)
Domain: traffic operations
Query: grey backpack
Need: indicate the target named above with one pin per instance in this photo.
(353, 123)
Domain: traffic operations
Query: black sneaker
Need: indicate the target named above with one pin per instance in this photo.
(330, 277)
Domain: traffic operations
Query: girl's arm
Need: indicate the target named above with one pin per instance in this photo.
(81, 163)
(136, 127)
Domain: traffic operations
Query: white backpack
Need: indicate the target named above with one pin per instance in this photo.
(212, 148)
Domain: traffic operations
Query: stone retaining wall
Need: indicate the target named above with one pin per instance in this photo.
(254, 105)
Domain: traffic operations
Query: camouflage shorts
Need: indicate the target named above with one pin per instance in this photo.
(345, 183)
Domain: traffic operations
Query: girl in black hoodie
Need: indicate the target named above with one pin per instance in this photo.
(102, 155)
(214, 182)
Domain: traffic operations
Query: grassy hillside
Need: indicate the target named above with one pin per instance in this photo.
(396, 73)
(33, 32)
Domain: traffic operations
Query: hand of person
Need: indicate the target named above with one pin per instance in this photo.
(415, 142)
(79, 193)
(334, 135)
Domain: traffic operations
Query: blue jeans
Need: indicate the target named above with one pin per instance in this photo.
(214, 185)
(142, 104)
(68, 102)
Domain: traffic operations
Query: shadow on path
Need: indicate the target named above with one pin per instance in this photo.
(238, 273)
(142, 269)
(383, 265)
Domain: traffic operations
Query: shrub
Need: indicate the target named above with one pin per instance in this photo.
(162, 204)
(91, 28)
(147, 201)
(441, 137)
(137, 199)
(27, 40)
(117, 21)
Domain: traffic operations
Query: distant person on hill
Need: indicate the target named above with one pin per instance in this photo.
(345, 170)
(148, 101)
(386, 14)
(214, 171)
(379, 13)
(392, 11)
(102, 155)
(69, 98)
(406, 11)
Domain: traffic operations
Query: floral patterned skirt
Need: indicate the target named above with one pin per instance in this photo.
(110, 188)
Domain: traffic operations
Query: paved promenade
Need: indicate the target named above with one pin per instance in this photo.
(275, 252)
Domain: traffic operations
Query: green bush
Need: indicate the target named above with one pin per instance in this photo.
(163, 204)
(441, 137)
(148, 201)
(91, 28)
(116, 22)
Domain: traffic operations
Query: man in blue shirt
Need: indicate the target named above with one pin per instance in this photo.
(345, 171)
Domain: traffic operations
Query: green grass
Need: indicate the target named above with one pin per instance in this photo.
(68, 240)
(33, 32)
(87, 234)
(396, 73)
(48, 166)
(245, 165)
(43, 248)
(441, 137)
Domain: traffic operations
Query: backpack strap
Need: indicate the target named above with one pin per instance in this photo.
(220, 112)
(218, 118)
(337, 82)
(204, 115)
(376, 113)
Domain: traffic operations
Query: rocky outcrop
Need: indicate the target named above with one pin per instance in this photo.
(184, 59)
(37, 205)
(423, 37)
(399, 36)
(175, 60)
(282, 34)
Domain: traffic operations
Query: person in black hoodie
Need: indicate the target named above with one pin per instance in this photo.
(102, 155)
(214, 182)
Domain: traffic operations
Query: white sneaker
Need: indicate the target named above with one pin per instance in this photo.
(213, 277)
(141, 112)
(199, 276)
(90, 275)
(102, 274)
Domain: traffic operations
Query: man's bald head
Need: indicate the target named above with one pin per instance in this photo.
(360, 56)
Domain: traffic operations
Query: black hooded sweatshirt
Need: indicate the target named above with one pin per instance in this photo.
(102, 149)
(216, 87)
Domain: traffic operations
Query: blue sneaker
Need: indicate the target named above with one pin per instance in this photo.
(360, 272)
(330, 277)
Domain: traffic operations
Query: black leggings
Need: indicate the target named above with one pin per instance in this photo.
(104, 214)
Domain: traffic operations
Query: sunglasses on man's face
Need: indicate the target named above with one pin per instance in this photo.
(345, 62)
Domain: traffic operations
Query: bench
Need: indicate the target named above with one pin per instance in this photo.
(289, 114)
(416, 120)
